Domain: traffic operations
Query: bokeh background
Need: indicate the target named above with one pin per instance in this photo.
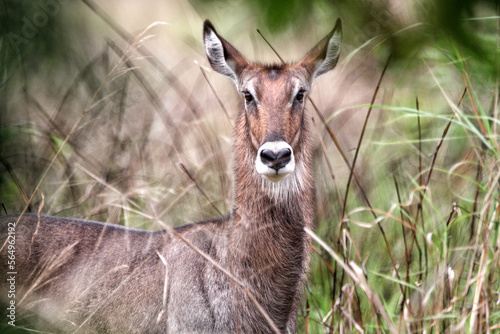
(109, 111)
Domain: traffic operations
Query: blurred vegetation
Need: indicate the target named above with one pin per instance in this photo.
(97, 112)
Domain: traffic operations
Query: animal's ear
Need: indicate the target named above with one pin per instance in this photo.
(223, 57)
(324, 56)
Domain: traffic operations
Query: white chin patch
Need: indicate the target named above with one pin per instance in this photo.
(275, 160)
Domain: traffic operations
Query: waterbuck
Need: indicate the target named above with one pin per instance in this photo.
(242, 273)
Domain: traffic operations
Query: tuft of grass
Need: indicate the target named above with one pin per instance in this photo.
(434, 199)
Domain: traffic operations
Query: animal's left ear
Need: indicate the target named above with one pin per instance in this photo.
(324, 56)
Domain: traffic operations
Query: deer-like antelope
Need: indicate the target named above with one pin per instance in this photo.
(82, 276)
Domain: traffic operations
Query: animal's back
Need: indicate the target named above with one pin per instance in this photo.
(72, 274)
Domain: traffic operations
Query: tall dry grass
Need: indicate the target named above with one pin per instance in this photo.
(406, 163)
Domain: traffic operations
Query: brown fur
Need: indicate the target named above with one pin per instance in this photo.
(83, 276)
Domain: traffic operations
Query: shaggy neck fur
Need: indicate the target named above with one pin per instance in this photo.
(270, 247)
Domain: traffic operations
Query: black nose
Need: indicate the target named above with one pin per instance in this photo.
(276, 161)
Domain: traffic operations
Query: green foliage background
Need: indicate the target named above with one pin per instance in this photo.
(141, 107)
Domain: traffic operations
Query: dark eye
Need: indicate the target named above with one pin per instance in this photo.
(300, 95)
(248, 96)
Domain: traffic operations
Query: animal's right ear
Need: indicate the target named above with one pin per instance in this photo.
(223, 57)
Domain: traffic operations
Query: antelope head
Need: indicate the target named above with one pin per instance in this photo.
(274, 97)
